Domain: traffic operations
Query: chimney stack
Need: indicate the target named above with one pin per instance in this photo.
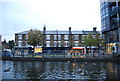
(44, 29)
(94, 28)
(70, 30)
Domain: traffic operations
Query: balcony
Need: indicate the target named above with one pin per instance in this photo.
(114, 10)
(112, 3)
(119, 9)
(114, 23)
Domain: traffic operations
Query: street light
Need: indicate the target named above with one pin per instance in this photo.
(113, 48)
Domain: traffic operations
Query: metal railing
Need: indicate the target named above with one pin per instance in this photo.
(66, 54)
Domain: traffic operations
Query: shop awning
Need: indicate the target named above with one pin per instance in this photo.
(78, 47)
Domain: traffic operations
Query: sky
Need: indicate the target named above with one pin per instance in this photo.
(22, 15)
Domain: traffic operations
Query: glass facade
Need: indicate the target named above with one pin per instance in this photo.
(110, 23)
(105, 21)
(110, 15)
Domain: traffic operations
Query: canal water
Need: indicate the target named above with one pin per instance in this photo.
(61, 71)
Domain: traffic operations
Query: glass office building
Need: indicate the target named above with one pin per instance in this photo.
(110, 24)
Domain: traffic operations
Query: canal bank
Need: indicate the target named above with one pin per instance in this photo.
(59, 59)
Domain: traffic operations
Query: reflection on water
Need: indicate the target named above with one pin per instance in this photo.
(103, 71)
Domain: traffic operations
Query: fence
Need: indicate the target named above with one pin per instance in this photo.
(65, 54)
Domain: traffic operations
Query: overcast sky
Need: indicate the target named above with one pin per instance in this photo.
(21, 15)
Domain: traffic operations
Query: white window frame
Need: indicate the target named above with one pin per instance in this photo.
(47, 43)
(59, 43)
(66, 37)
(83, 36)
(26, 37)
(55, 37)
(19, 37)
(66, 43)
(76, 37)
(55, 43)
(47, 37)
(76, 43)
(19, 43)
(26, 43)
(59, 37)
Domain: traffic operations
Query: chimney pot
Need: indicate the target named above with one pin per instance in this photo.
(94, 28)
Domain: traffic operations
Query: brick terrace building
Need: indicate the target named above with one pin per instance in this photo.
(64, 39)
(55, 40)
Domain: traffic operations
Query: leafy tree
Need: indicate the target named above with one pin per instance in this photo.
(99, 41)
(11, 44)
(88, 40)
(93, 40)
(34, 37)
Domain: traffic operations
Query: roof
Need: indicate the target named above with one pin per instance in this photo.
(57, 32)
(73, 32)
(24, 32)
(63, 32)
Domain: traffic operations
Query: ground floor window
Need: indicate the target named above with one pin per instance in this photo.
(66, 43)
(55, 43)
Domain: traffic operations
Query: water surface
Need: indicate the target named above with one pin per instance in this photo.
(97, 71)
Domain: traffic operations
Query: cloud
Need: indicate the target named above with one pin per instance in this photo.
(56, 14)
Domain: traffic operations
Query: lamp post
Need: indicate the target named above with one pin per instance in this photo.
(117, 47)
(113, 48)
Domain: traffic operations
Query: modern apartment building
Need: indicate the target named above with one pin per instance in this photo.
(110, 21)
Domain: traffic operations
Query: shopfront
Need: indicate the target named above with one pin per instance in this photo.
(22, 51)
(38, 50)
(78, 51)
(112, 48)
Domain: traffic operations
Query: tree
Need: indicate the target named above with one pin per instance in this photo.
(93, 40)
(34, 37)
(99, 41)
(88, 40)
(11, 44)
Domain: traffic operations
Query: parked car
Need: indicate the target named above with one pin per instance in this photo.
(7, 54)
